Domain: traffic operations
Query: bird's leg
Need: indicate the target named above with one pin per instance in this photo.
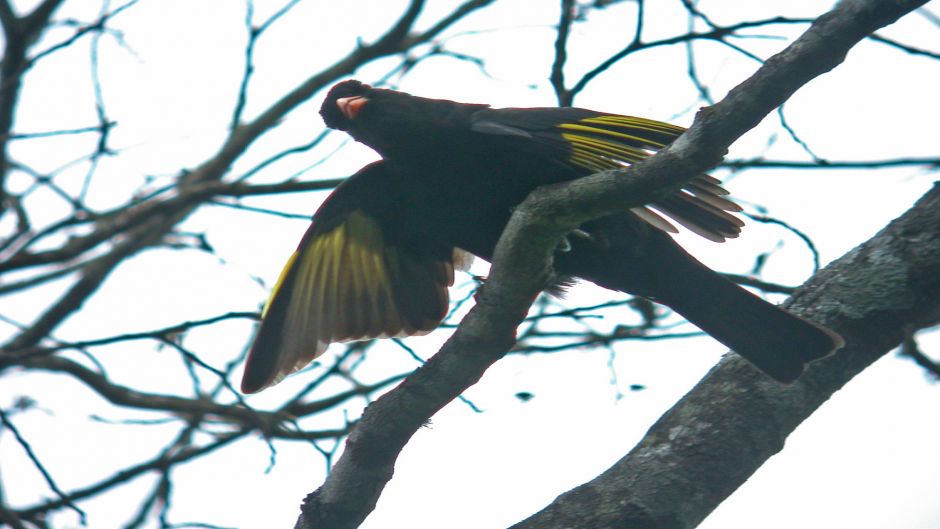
(564, 245)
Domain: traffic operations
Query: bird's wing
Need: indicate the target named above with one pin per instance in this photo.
(590, 142)
(346, 281)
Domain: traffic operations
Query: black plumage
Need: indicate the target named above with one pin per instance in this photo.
(381, 251)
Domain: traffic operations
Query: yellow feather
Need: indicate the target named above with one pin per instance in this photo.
(589, 162)
(596, 147)
(279, 283)
(608, 132)
(636, 123)
(376, 266)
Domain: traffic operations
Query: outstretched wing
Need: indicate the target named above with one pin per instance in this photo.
(346, 281)
(589, 142)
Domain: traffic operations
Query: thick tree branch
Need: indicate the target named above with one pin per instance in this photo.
(723, 430)
(522, 262)
(19, 34)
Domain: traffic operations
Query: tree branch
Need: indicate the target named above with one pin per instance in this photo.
(270, 423)
(522, 261)
(19, 34)
(724, 429)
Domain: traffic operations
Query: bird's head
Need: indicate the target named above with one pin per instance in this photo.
(389, 121)
(344, 102)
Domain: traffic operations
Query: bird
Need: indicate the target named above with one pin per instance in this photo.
(383, 247)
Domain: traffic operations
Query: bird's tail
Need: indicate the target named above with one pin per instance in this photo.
(777, 342)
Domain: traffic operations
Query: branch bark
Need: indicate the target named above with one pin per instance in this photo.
(724, 429)
(19, 34)
(522, 266)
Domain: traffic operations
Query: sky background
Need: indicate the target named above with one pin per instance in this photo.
(866, 459)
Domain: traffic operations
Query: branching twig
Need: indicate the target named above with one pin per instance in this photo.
(717, 34)
(63, 497)
(557, 76)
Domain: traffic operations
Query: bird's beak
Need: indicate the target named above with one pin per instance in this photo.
(350, 106)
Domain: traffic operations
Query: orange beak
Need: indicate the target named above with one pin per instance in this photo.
(350, 106)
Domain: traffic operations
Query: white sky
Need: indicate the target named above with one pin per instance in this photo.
(867, 459)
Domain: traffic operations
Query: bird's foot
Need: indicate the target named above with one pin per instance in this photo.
(564, 245)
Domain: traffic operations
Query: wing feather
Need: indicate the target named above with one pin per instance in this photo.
(345, 283)
(590, 141)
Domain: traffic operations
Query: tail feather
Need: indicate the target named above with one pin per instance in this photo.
(776, 341)
(649, 263)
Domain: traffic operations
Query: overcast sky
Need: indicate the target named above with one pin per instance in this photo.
(867, 459)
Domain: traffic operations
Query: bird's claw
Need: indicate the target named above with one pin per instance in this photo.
(564, 245)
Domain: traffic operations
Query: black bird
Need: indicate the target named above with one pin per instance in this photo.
(381, 251)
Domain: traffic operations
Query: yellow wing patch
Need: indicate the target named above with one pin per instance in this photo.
(611, 141)
(344, 284)
(343, 288)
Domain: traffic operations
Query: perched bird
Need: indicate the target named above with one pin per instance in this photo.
(381, 251)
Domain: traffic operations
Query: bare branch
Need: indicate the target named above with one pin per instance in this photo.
(716, 34)
(930, 162)
(905, 48)
(162, 461)
(911, 349)
(735, 418)
(271, 423)
(7, 424)
(522, 261)
(557, 76)
(20, 33)
(804, 237)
